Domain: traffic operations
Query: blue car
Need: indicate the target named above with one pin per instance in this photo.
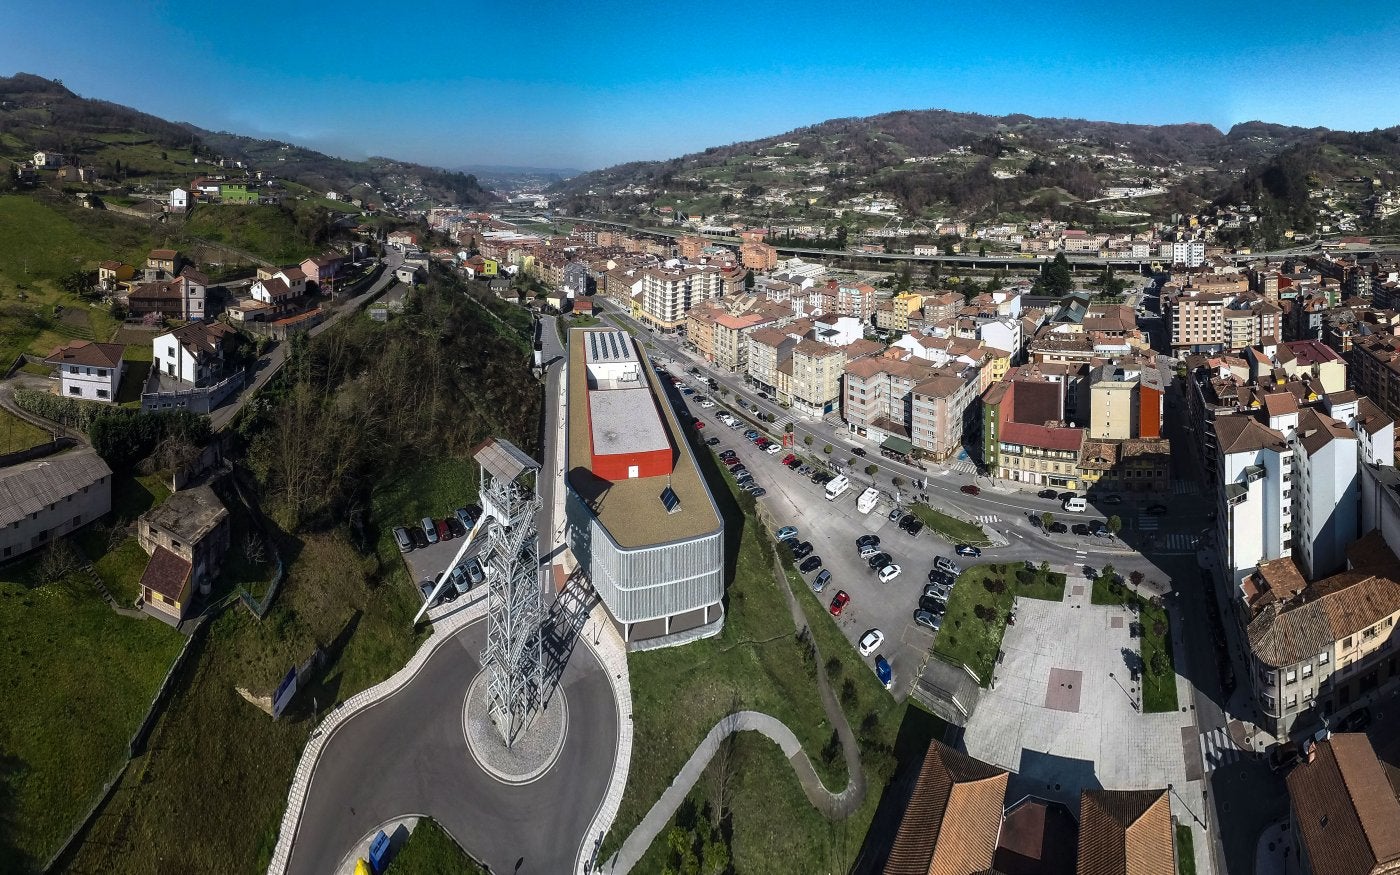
(884, 672)
(464, 517)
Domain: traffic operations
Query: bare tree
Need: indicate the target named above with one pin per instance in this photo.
(58, 562)
(720, 775)
(253, 549)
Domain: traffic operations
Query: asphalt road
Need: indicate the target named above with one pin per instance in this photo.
(408, 755)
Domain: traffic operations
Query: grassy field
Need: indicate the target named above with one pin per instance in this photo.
(120, 569)
(429, 850)
(18, 434)
(953, 529)
(69, 662)
(756, 663)
(978, 608)
(265, 231)
(211, 746)
(1155, 645)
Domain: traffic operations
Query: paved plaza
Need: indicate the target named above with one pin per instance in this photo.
(1064, 713)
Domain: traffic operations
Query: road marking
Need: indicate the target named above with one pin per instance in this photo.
(988, 518)
(1218, 749)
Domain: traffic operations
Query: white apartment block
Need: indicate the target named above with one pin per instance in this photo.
(669, 293)
(1254, 496)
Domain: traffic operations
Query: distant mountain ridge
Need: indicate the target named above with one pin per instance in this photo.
(936, 162)
(38, 113)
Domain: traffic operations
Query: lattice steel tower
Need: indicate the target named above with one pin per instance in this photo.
(514, 616)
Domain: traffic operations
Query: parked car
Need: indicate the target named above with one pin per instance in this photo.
(425, 587)
(938, 575)
(402, 539)
(933, 604)
(420, 540)
(821, 478)
(444, 533)
(461, 580)
(465, 517)
(699, 424)
(475, 571)
(867, 551)
(455, 527)
(967, 550)
(859, 451)
(868, 541)
(1059, 528)
(905, 521)
(1356, 721)
(938, 591)
(879, 560)
(738, 469)
(1047, 493)
(1282, 756)
(787, 532)
(928, 621)
(889, 572)
(759, 492)
(810, 564)
(751, 434)
(796, 465)
(821, 581)
(870, 642)
(883, 671)
(773, 449)
(1080, 529)
(789, 458)
(1066, 496)
(895, 514)
(1155, 509)
(915, 527)
(943, 563)
(803, 550)
(971, 490)
(839, 602)
(713, 442)
(430, 529)
(1112, 499)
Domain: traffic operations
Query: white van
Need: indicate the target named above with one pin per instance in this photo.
(1075, 505)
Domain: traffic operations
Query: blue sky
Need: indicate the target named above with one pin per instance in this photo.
(588, 84)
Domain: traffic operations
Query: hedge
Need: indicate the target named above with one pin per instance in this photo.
(71, 412)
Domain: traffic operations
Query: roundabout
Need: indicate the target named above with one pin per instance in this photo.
(534, 752)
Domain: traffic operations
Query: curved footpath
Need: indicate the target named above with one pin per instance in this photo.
(833, 806)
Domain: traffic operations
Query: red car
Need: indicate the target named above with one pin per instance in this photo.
(699, 424)
(444, 533)
(839, 601)
(789, 459)
(971, 490)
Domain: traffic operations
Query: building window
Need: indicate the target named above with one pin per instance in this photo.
(1323, 657)
(1307, 670)
(1346, 643)
(1291, 677)
(101, 372)
(103, 393)
(75, 390)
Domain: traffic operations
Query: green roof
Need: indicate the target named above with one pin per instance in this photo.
(897, 445)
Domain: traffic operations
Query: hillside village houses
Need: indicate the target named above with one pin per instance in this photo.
(89, 371)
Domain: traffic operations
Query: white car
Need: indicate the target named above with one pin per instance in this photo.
(871, 641)
(774, 449)
(707, 403)
(889, 572)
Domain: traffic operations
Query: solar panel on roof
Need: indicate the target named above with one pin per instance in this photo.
(670, 500)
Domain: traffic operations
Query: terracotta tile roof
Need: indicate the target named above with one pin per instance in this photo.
(1316, 430)
(87, 353)
(166, 573)
(1038, 837)
(162, 254)
(1242, 434)
(194, 276)
(953, 819)
(1345, 808)
(1125, 832)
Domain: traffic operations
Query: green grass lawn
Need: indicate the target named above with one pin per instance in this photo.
(138, 344)
(1185, 850)
(429, 850)
(120, 570)
(978, 608)
(18, 434)
(1155, 645)
(268, 232)
(133, 381)
(953, 529)
(211, 749)
(78, 678)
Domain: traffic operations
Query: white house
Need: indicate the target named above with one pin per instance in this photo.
(179, 200)
(193, 354)
(332, 196)
(274, 292)
(406, 273)
(87, 370)
(43, 160)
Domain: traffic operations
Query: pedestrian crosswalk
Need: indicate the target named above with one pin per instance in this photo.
(987, 519)
(1179, 541)
(1147, 523)
(1218, 749)
(962, 466)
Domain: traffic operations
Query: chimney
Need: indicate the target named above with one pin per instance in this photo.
(1310, 750)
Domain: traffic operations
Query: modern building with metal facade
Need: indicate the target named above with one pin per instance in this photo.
(649, 538)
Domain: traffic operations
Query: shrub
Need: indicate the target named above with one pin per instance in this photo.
(834, 666)
(994, 585)
(848, 693)
(827, 449)
(70, 412)
(1026, 576)
(871, 469)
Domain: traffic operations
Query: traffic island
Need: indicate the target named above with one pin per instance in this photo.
(537, 747)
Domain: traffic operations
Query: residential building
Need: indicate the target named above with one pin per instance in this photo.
(754, 253)
(89, 371)
(111, 273)
(273, 292)
(1254, 487)
(182, 297)
(1125, 465)
(1197, 323)
(403, 239)
(1125, 400)
(1126, 832)
(237, 193)
(1343, 808)
(944, 413)
(179, 200)
(45, 499)
(1375, 370)
(669, 293)
(809, 378)
(1317, 650)
(162, 263)
(195, 353)
(186, 536)
(321, 272)
(952, 822)
(47, 160)
(640, 519)
(1025, 436)
(878, 395)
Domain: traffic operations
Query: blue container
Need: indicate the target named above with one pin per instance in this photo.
(379, 853)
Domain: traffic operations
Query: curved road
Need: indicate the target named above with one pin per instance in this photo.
(407, 755)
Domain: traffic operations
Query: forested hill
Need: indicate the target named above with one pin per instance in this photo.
(38, 113)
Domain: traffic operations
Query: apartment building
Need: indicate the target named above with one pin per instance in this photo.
(877, 400)
(1025, 437)
(844, 299)
(809, 379)
(1197, 323)
(1316, 650)
(1375, 370)
(669, 293)
(1254, 489)
(944, 412)
(1125, 400)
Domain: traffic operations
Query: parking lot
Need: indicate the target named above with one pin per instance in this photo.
(426, 563)
(832, 527)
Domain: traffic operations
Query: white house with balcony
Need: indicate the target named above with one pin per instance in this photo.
(88, 371)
